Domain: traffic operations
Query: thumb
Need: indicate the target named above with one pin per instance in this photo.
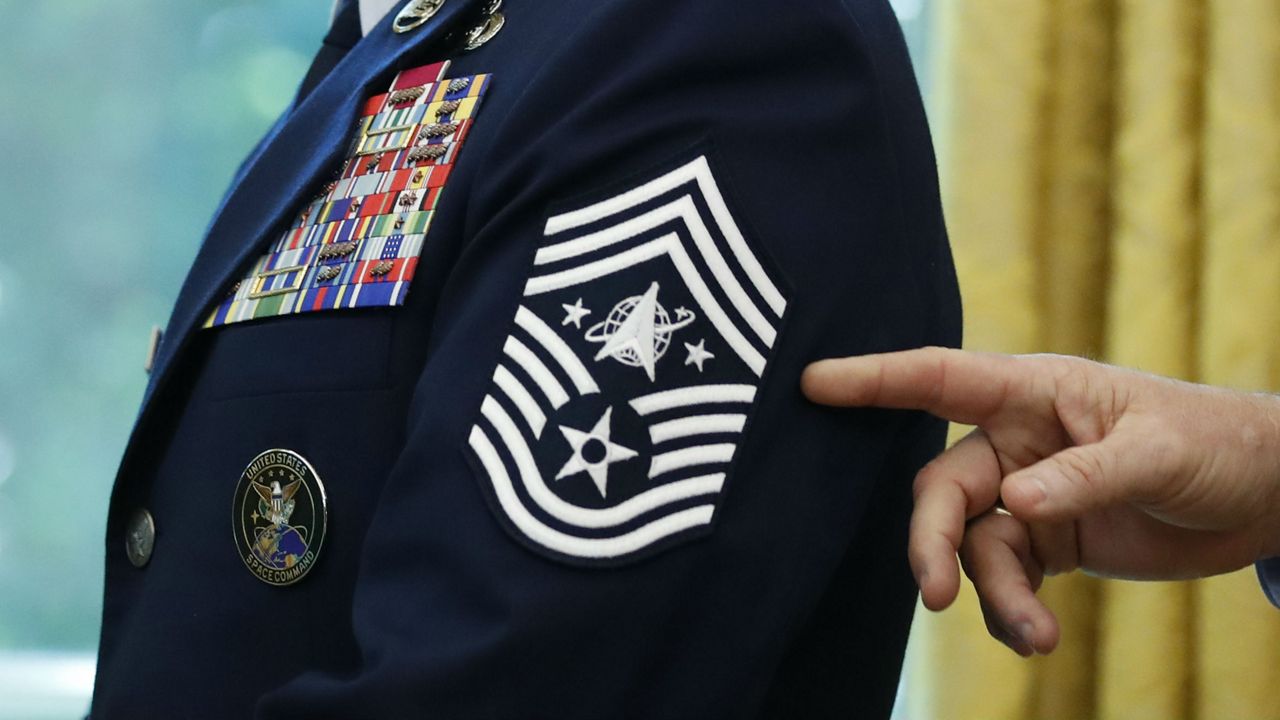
(1079, 479)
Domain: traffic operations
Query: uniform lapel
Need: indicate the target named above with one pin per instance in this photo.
(290, 165)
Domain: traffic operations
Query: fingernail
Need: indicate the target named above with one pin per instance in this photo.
(1034, 489)
(1025, 631)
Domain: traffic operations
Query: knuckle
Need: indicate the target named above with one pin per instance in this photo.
(1084, 467)
(932, 477)
(1168, 443)
(1011, 532)
(939, 391)
(928, 475)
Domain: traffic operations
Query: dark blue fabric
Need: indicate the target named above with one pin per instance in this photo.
(1269, 576)
(798, 601)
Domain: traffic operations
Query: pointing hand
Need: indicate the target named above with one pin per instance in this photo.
(1112, 471)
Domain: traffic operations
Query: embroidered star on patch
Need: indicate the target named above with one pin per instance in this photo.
(574, 313)
(698, 354)
(593, 453)
(633, 363)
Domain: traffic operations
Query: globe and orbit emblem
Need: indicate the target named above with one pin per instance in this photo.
(592, 445)
(638, 331)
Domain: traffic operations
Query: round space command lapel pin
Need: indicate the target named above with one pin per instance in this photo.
(279, 517)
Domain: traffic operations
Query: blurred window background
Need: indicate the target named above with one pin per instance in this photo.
(121, 125)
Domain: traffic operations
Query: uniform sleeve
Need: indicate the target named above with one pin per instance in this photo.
(612, 499)
(1269, 576)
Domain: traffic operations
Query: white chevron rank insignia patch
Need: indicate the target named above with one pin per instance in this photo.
(630, 372)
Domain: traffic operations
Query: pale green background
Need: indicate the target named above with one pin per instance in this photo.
(120, 125)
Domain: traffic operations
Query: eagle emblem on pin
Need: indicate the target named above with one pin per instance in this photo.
(624, 386)
(279, 517)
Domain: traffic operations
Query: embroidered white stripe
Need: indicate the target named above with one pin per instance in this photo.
(693, 395)
(699, 170)
(688, 457)
(568, 544)
(673, 248)
(524, 402)
(545, 497)
(547, 382)
(559, 350)
(696, 425)
(682, 209)
(606, 266)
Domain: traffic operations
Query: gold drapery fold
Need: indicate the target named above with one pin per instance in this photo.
(1111, 177)
(1236, 632)
(1006, 146)
(1144, 649)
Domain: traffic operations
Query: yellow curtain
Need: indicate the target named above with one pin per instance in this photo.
(1111, 177)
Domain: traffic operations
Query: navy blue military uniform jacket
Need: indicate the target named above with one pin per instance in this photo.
(481, 397)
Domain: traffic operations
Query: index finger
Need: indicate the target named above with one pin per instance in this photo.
(956, 385)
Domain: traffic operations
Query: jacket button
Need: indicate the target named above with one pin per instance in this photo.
(141, 539)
